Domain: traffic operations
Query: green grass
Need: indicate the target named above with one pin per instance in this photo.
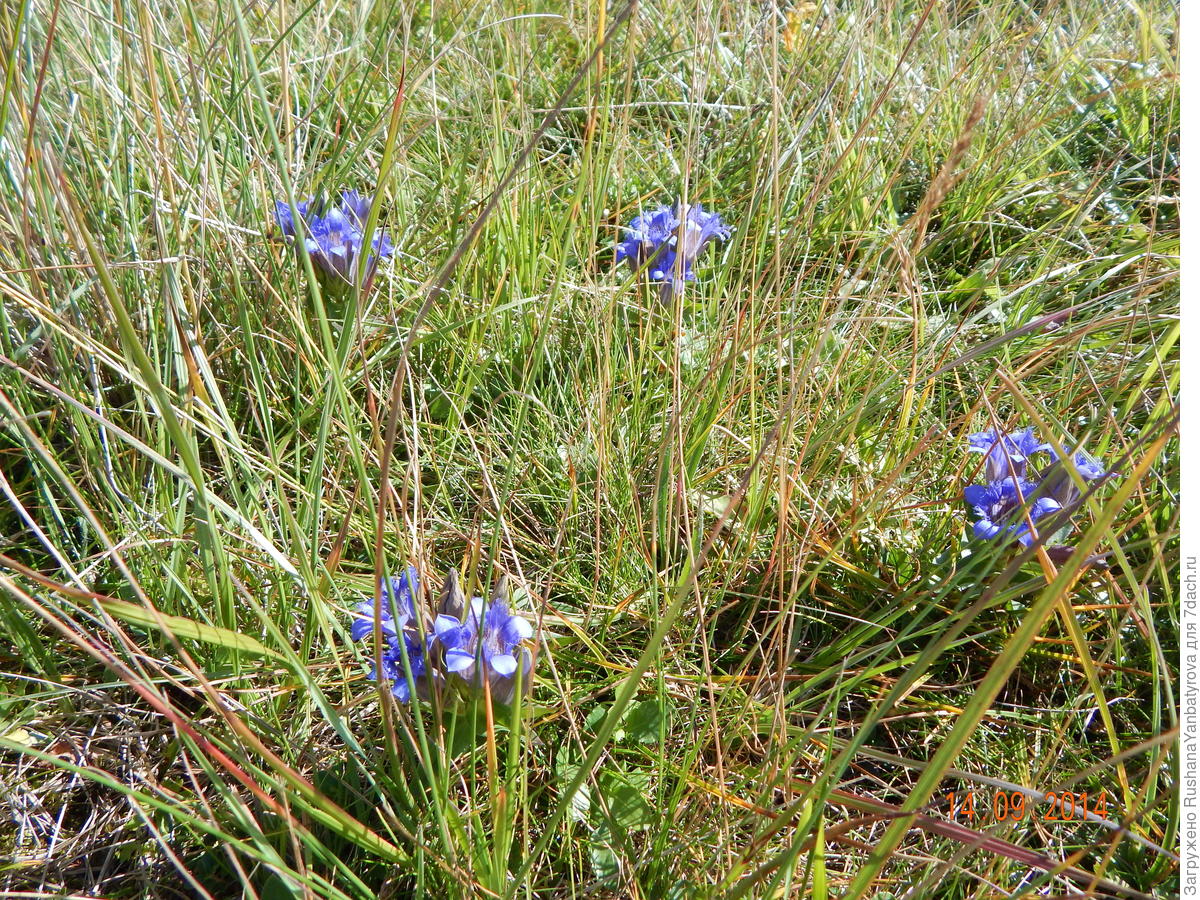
(737, 517)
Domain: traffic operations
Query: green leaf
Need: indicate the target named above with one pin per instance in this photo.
(581, 803)
(975, 283)
(604, 861)
(625, 798)
(596, 716)
(646, 721)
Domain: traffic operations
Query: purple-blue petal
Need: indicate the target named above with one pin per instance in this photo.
(515, 630)
(503, 664)
(450, 631)
(355, 207)
(459, 660)
(986, 529)
(1088, 467)
(284, 219)
(1043, 506)
(978, 494)
(400, 689)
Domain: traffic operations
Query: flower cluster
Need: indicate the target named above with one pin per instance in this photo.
(483, 641)
(665, 243)
(1016, 494)
(333, 236)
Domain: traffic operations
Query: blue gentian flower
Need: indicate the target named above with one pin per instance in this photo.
(396, 594)
(488, 644)
(1088, 467)
(333, 236)
(1006, 452)
(418, 663)
(665, 244)
(997, 505)
(398, 621)
(1017, 494)
(1058, 483)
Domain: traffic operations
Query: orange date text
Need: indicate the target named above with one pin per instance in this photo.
(1013, 806)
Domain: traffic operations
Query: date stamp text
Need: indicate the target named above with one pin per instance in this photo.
(1013, 806)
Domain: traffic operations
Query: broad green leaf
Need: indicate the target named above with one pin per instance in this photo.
(645, 721)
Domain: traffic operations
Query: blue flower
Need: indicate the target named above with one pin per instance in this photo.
(333, 237)
(487, 644)
(998, 506)
(1058, 483)
(665, 244)
(398, 620)
(418, 663)
(396, 594)
(491, 643)
(1088, 467)
(1006, 453)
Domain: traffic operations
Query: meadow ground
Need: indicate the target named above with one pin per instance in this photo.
(770, 645)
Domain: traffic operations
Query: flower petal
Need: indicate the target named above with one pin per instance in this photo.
(459, 661)
(986, 529)
(1043, 506)
(978, 494)
(400, 689)
(515, 630)
(449, 631)
(503, 663)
